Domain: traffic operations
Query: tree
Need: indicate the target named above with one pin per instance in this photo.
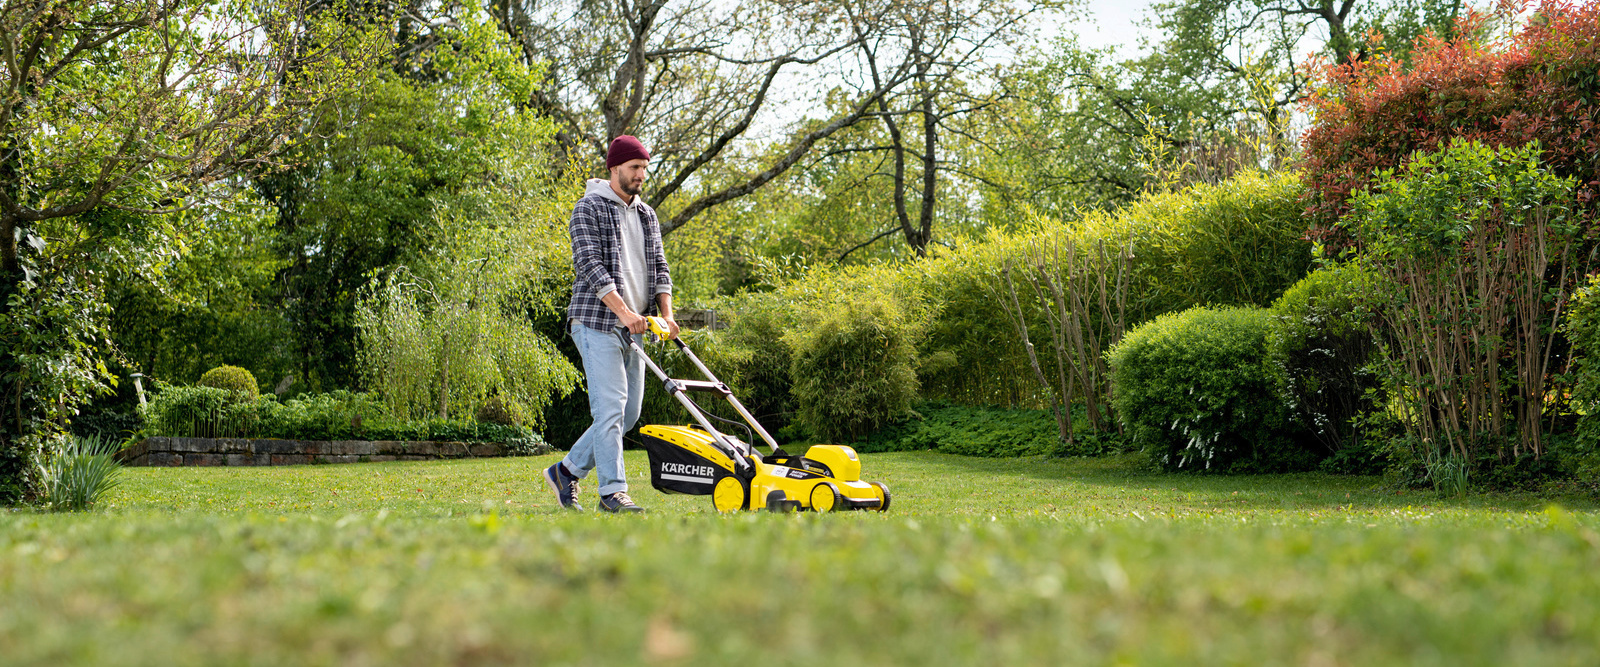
(144, 106)
(1215, 93)
(946, 43)
(440, 341)
(693, 78)
(363, 198)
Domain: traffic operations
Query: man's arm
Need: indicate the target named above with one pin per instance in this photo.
(586, 242)
(633, 321)
(664, 304)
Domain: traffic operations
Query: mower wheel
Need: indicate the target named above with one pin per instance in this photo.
(730, 494)
(882, 491)
(824, 497)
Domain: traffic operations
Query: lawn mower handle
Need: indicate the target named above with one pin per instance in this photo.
(657, 326)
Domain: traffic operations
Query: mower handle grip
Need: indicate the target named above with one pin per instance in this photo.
(656, 326)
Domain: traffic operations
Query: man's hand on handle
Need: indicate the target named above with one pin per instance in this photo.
(635, 322)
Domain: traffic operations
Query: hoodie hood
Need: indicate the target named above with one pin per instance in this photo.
(602, 187)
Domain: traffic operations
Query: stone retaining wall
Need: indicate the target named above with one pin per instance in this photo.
(165, 451)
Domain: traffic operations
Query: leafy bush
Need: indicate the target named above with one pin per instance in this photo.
(1322, 342)
(499, 410)
(1583, 333)
(1379, 113)
(1475, 250)
(853, 368)
(527, 444)
(234, 379)
(759, 358)
(76, 472)
(337, 415)
(1194, 388)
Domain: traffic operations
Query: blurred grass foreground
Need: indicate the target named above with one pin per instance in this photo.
(980, 561)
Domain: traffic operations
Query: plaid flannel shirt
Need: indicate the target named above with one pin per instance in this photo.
(597, 255)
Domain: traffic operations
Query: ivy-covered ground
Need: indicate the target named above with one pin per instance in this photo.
(980, 561)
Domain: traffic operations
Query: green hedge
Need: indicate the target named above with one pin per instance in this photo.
(984, 431)
(1197, 391)
(1583, 332)
(208, 412)
(1237, 243)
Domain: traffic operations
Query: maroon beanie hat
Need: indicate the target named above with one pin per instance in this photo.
(625, 148)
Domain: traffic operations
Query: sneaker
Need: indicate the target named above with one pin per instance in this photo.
(619, 502)
(564, 485)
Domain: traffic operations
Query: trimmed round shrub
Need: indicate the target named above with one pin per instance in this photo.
(1322, 343)
(1196, 390)
(234, 379)
(853, 370)
(499, 410)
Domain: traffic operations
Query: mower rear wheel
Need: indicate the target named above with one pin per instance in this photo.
(883, 491)
(730, 495)
(824, 497)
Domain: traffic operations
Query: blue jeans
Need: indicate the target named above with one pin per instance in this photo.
(615, 378)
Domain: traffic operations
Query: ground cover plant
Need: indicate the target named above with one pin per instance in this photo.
(980, 561)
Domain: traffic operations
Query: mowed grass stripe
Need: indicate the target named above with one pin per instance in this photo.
(1088, 561)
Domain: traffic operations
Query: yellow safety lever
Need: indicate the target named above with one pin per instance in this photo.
(658, 326)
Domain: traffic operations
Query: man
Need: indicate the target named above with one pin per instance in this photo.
(621, 278)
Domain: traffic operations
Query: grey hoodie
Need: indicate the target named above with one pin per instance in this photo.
(635, 278)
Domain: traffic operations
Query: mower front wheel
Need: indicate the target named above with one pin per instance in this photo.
(824, 497)
(883, 491)
(731, 494)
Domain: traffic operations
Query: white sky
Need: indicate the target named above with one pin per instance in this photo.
(1110, 23)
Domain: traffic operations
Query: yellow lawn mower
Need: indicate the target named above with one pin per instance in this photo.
(700, 460)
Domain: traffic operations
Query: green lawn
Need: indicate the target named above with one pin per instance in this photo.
(980, 561)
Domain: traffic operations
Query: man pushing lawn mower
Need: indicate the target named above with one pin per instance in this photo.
(622, 277)
(620, 266)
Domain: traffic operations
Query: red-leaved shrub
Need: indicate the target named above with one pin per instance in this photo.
(1542, 83)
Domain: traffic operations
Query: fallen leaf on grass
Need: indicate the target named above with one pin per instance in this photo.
(664, 642)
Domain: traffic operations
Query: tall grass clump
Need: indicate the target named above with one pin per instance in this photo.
(441, 351)
(76, 472)
(853, 368)
(203, 412)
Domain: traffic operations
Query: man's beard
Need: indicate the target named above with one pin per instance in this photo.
(630, 189)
